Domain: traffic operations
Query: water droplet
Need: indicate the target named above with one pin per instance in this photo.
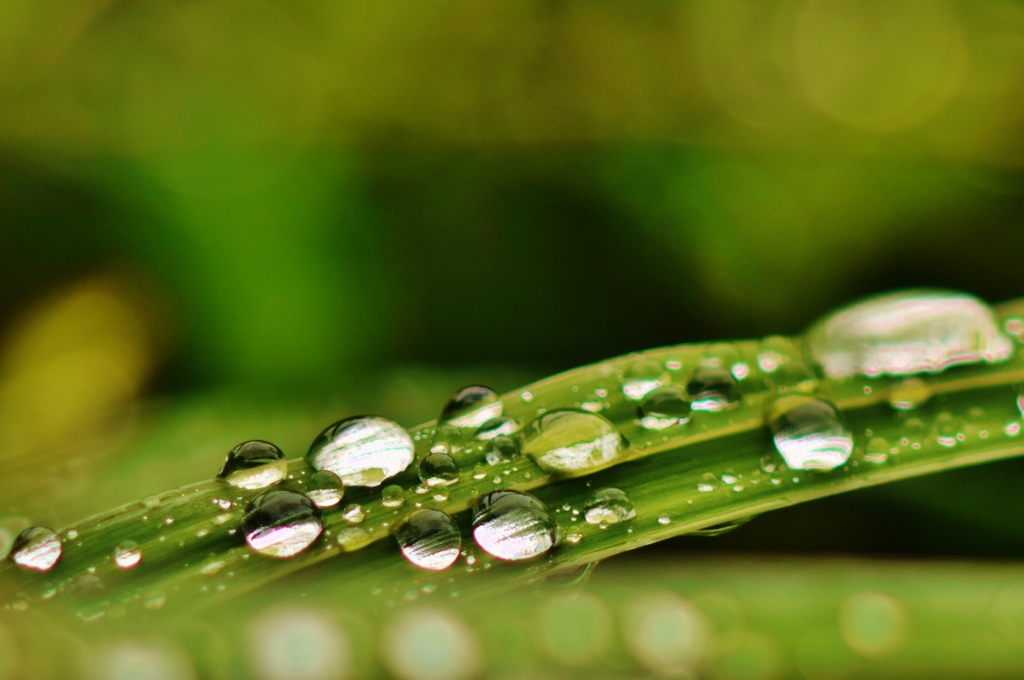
(353, 538)
(155, 600)
(440, 494)
(663, 408)
(325, 489)
(906, 333)
(1020, 404)
(36, 548)
(502, 450)
(608, 506)
(437, 469)
(254, 465)
(127, 554)
(497, 427)
(1012, 429)
(512, 525)
(908, 394)
(794, 377)
(810, 434)
(712, 389)
(392, 496)
(353, 513)
(429, 539)
(773, 352)
(573, 441)
(472, 406)
(664, 519)
(878, 450)
(708, 483)
(447, 439)
(362, 451)
(641, 377)
(281, 523)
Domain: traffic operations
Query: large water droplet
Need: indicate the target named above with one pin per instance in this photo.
(663, 408)
(429, 539)
(254, 465)
(573, 441)
(905, 333)
(127, 554)
(608, 506)
(810, 434)
(712, 389)
(512, 525)
(36, 548)
(437, 469)
(362, 451)
(472, 406)
(325, 489)
(281, 523)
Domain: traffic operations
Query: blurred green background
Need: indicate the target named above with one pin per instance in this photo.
(225, 220)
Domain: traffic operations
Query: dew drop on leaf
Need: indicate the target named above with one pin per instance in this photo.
(254, 465)
(904, 333)
(712, 389)
(512, 525)
(437, 469)
(810, 434)
(392, 496)
(908, 394)
(281, 523)
(36, 549)
(497, 427)
(362, 451)
(573, 441)
(471, 406)
(501, 450)
(664, 407)
(608, 506)
(127, 554)
(429, 539)
(325, 489)
(642, 376)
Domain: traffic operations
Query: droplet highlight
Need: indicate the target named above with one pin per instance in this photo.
(472, 406)
(127, 555)
(573, 441)
(254, 464)
(429, 539)
(810, 434)
(325, 489)
(712, 389)
(281, 523)
(512, 525)
(909, 332)
(362, 451)
(608, 506)
(36, 549)
(664, 407)
(437, 469)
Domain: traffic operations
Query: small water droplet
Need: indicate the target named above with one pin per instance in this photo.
(810, 434)
(325, 489)
(768, 464)
(127, 554)
(908, 394)
(664, 519)
(708, 483)
(440, 494)
(155, 600)
(36, 548)
(362, 451)
(1012, 429)
(502, 450)
(512, 525)
(641, 377)
(471, 406)
(878, 450)
(527, 397)
(392, 496)
(663, 408)
(712, 389)
(429, 539)
(498, 427)
(437, 469)
(353, 538)
(608, 506)
(447, 439)
(254, 464)
(573, 441)
(905, 333)
(281, 523)
(223, 503)
(353, 513)
(773, 352)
